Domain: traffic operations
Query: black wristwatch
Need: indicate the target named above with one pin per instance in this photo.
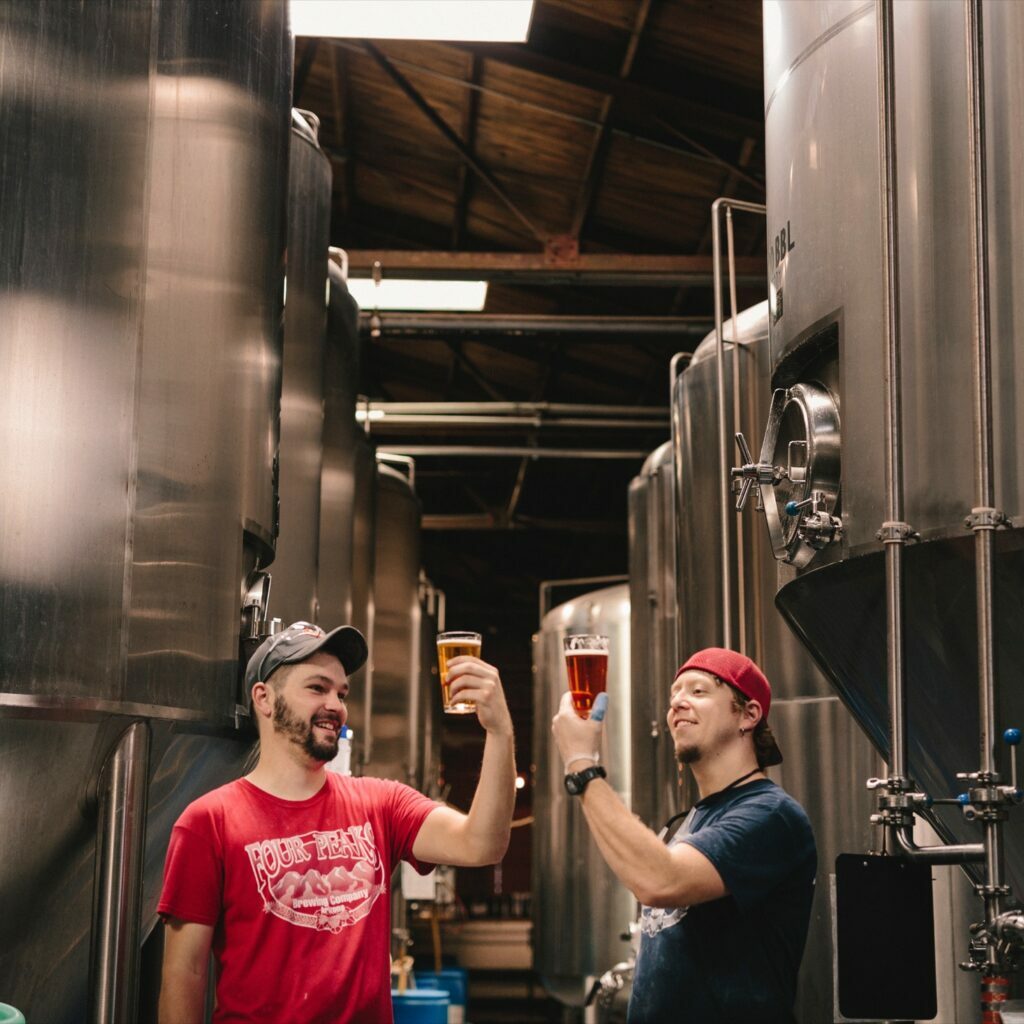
(576, 782)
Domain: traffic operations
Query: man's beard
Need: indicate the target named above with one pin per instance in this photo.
(289, 724)
(688, 755)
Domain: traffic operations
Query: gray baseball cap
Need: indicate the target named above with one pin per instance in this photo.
(297, 642)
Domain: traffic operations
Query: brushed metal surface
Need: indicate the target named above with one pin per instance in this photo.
(580, 909)
(654, 637)
(826, 753)
(294, 592)
(404, 722)
(338, 475)
(823, 183)
(364, 554)
(141, 267)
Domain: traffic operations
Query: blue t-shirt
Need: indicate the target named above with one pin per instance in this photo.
(733, 960)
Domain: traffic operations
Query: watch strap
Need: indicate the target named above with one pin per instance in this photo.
(577, 782)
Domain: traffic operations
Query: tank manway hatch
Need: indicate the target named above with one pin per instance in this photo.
(797, 474)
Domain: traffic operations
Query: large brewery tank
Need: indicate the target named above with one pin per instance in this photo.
(580, 911)
(141, 271)
(400, 716)
(294, 591)
(342, 445)
(828, 346)
(653, 636)
(827, 756)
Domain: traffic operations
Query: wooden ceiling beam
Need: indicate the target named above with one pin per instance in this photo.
(642, 100)
(538, 268)
(303, 70)
(482, 171)
(464, 186)
(594, 171)
(341, 97)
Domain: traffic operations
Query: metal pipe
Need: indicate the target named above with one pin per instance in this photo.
(674, 371)
(546, 586)
(400, 458)
(507, 409)
(984, 516)
(519, 452)
(725, 462)
(117, 903)
(983, 467)
(894, 536)
(737, 427)
(532, 422)
(960, 854)
(391, 324)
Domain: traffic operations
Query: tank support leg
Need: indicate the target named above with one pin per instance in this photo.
(120, 847)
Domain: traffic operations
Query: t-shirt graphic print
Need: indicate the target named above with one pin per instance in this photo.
(322, 880)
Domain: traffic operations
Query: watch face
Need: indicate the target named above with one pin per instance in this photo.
(573, 784)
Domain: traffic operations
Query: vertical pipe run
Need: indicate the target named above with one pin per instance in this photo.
(725, 462)
(983, 469)
(737, 426)
(895, 538)
(723, 441)
(117, 905)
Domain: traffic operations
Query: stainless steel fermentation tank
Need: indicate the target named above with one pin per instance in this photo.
(348, 496)
(828, 347)
(141, 273)
(827, 756)
(832, 436)
(580, 909)
(398, 718)
(654, 638)
(295, 591)
(345, 586)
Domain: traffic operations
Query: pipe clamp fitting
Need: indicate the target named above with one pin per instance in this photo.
(897, 533)
(984, 518)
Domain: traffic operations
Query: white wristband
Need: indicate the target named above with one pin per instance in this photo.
(581, 757)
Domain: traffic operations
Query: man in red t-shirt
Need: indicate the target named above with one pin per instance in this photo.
(284, 874)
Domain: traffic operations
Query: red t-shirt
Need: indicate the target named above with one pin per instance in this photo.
(298, 893)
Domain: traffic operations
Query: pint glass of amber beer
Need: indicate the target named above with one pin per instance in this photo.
(586, 661)
(451, 645)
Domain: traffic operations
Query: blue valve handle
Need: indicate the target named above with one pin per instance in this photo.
(1011, 736)
(792, 508)
(963, 798)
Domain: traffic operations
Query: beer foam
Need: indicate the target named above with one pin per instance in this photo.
(585, 650)
(459, 643)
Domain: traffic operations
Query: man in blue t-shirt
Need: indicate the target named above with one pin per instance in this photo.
(725, 896)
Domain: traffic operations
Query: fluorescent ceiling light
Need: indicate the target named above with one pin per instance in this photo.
(400, 293)
(467, 20)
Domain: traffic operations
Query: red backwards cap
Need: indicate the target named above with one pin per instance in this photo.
(733, 667)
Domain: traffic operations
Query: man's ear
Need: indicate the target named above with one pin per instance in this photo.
(262, 700)
(752, 713)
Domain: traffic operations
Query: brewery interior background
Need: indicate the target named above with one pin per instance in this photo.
(183, 421)
(608, 134)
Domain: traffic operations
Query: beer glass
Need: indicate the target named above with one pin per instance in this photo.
(451, 645)
(586, 662)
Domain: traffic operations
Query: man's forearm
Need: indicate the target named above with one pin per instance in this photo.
(488, 823)
(634, 853)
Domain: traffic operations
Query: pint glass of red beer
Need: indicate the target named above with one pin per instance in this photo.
(586, 662)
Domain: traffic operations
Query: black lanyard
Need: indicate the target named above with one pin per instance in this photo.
(668, 832)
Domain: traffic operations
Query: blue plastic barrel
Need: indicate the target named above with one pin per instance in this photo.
(454, 981)
(420, 1006)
